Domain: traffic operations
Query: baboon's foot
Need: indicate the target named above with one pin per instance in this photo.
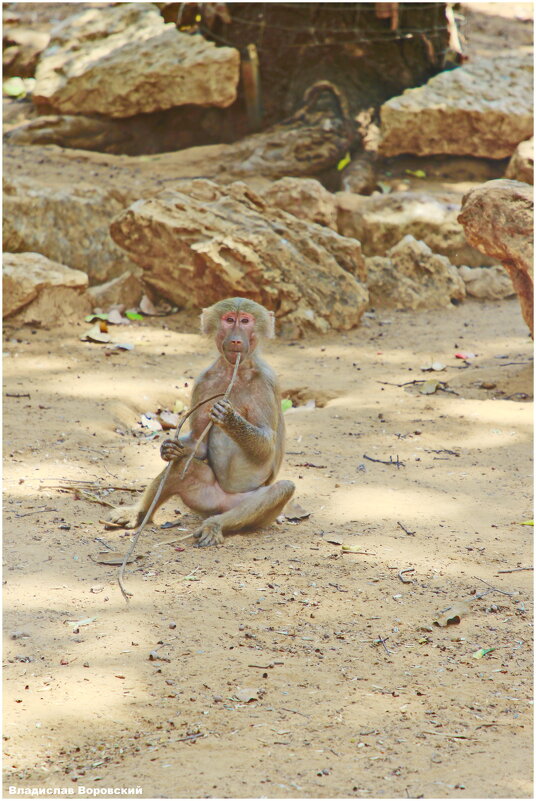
(126, 516)
(209, 533)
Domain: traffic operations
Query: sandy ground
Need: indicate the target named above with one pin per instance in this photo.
(280, 664)
(284, 617)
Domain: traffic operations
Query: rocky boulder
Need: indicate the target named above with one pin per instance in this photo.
(380, 221)
(21, 50)
(204, 242)
(64, 213)
(521, 166)
(498, 219)
(305, 198)
(39, 291)
(481, 109)
(486, 283)
(411, 276)
(123, 59)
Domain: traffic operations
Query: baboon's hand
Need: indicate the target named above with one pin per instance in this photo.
(171, 449)
(222, 413)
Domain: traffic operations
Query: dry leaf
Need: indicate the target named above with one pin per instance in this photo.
(151, 422)
(247, 694)
(353, 549)
(453, 614)
(168, 420)
(96, 334)
(148, 307)
(115, 318)
(293, 511)
(430, 386)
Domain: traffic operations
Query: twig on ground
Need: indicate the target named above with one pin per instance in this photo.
(102, 542)
(89, 496)
(398, 463)
(405, 384)
(36, 512)
(515, 569)
(17, 394)
(447, 734)
(381, 641)
(401, 573)
(405, 530)
(494, 588)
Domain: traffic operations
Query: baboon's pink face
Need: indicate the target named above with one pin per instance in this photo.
(236, 334)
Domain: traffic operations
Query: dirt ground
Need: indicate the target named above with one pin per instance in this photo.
(282, 664)
(285, 616)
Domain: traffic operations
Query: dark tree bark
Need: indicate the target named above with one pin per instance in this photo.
(369, 51)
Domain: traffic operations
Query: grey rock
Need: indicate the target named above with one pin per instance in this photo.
(122, 60)
(206, 242)
(481, 109)
(380, 221)
(498, 219)
(411, 276)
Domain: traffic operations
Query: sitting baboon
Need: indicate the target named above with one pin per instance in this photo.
(230, 481)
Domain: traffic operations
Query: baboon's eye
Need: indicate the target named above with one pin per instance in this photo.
(229, 320)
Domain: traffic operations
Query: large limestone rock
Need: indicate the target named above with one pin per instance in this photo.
(64, 215)
(521, 166)
(498, 219)
(410, 276)
(40, 291)
(306, 198)
(21, 50)
(122, 60)
(482, 109)
(486, 283)
(380, 221)
(204, 242)
(61, 202)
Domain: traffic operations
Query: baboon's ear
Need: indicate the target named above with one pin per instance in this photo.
(205, 321)
(270, 332)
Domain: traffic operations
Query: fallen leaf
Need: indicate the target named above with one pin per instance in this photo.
(132, 314)
(482, 652)
(178, 406)
(92, 317)
(416, 173)
(353, 549)
(150, 421)
(286, 403)
(430, 386)
(434, 367)
(453, 614)
(113, 558)
(115, 318)
(246, 694)
(293, 511)
(120, 346)
(168, 419)
(148, 307)
(96, 334)
(77, 623)
(344, 162)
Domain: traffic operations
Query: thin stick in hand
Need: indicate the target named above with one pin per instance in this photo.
(209, 425)
(165, 474)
